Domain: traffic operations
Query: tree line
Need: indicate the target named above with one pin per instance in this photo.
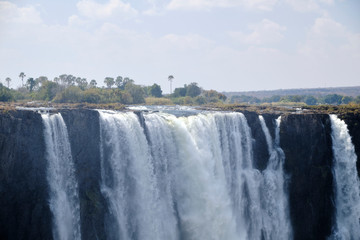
(67, 88)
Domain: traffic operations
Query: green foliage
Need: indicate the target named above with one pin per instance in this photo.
(193, 90)
(137, 92)
(310, 100)
(72, 94)
(109, 82)
(47, 91)
(93, 83)
(244, 99)
(179, 92)
(155, 91)
(5, 94)
(91, 95)
(30, 84)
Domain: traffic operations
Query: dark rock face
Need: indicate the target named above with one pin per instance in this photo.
(260, 149)
(306, 141)
(84, 134)
(24, 210)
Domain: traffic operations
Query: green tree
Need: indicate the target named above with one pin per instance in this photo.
(310, 100)
(193, 90)
(346, 99)
(180, 92)
(333, 99)
(137, 92)
(8, 80)
(93, 83)
(5, 94)
(47, 91)
(155, 90)
(30, 84)
(109, 82)
(81, 83)
(22, 75)
(119, 82)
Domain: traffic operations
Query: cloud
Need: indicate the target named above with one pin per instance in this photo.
(308, 5)
(266, 5)
(265, 32)
(113, 8)
(9, 12)
(328, 38)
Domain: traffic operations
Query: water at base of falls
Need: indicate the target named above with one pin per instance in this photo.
(347, 184)
(64, 199)
(189, 178)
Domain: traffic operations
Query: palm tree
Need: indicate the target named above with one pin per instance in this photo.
(170, 78)
(8, 81)
(22, 75)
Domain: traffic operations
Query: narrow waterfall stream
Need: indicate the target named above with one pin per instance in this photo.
(64, 198)
(347, 184)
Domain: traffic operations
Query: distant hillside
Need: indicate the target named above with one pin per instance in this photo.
(316, 92)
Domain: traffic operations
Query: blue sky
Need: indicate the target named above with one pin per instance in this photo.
(226, 45)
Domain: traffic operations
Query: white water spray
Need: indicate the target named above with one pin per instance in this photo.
(347, 185)
(64, 199)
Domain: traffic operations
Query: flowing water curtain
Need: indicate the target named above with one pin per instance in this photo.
(347, 185)
(64, 197)
(128, 179)
(275, 206)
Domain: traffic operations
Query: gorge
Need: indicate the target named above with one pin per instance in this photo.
(178, 174)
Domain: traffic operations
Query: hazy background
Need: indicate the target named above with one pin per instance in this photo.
(227, 45)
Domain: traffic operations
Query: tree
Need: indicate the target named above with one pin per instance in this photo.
(310, 100)
(8, 80)
(137, 92)
(155, 90)
(30, 84)
(22, 75)
(109, 82)
(180, 92)
(170, 78)
(93, 83)
(193, 90)
(119, 82)
(82, 83)
(47, 91)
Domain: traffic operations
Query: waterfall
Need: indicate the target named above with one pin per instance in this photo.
(129, 181)
(168, 177)
(276, 218)
(347, 185)
(64, 199)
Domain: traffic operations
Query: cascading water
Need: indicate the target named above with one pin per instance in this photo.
(276, 218)
(64, 199)
(189, 178)
(347, 184)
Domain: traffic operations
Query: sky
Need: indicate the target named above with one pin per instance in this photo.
(225, 45)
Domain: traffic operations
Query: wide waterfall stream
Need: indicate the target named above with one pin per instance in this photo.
(191, 177)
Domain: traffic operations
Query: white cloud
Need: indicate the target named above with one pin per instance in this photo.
(209, 4)
(308, 5)
(330, 38)
(264, 32)
(113, 8)
(9, 12)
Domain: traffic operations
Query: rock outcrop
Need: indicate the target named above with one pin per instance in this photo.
(306, 142)
(24, 210)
